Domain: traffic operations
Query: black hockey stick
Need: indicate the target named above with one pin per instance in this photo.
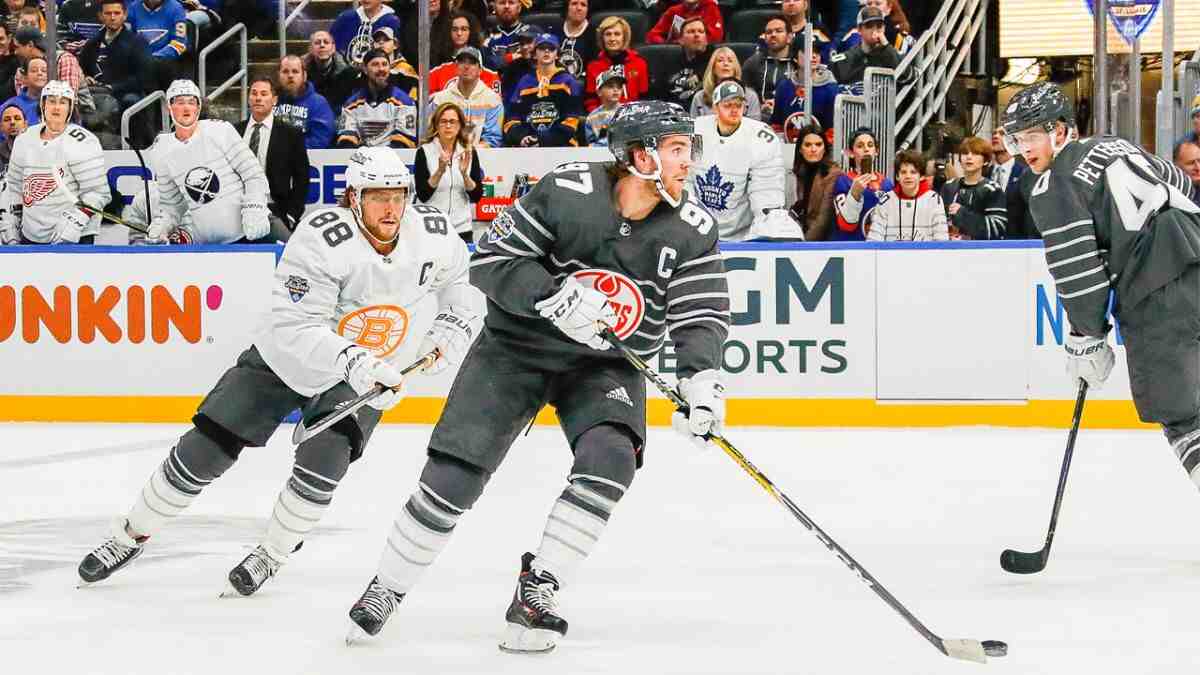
(145, 180)
(1018, 562)
(967, 650)
(303, 433)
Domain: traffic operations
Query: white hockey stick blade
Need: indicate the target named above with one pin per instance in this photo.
(967, 650)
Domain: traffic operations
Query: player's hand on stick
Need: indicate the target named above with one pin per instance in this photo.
(705, 396)
(1089, 359)
(70, 226)
(255, 222)
(158, 231)
(451, 335)
(578, 311)
(364, 371)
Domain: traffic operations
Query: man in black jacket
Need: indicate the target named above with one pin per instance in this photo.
(116, 58)
(279, 148)
(688, 77)
(874, 51)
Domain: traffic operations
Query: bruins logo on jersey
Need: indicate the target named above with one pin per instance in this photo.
(624, 296)
(379, 328)
(202, 185)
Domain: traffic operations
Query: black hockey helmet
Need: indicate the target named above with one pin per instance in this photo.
(644, 123)
(1039, 105)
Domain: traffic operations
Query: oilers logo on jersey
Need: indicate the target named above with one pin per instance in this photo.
(379, 328)
(714, 189)
(36, 187)
(624, 296)
(202, 185)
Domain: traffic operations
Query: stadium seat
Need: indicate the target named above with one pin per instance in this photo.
(661, 61)
(744, 50)
(638, 20)
(747, 24)
(546, 20)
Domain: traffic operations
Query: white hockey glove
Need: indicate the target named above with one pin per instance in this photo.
(159, 230)
(705, 396)
(776, 224)
(10, 230)
(70, 226)
(256, 223)
(363, 372)
(1089, 359)
(452, 333)
(576, 311)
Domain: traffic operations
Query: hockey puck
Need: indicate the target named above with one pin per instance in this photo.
(995, 648)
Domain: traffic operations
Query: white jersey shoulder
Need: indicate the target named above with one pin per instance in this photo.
(48, 176)
(333, 290)
(740, 177)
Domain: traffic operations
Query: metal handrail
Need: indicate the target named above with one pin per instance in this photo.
(242, 74)
(146, 102)
(285, 21)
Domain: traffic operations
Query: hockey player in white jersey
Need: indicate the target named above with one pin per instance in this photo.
(741, 177)
(205, 168)
(56, 168)
(352, 291)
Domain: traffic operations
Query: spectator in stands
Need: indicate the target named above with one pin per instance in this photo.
(896, 26)
(9, 12)
(857, 192)
(521, 65)
(578, 39)
(670, 25)
(378, 113)
(1006, 171)
(816, 173)
(872, 50)
(205, 15)
(474, 98)
(279, 149)
(795, 12)
(615, 36)
(686, 78)
(300, 105)
(546, 109)
(1194, 135)
(770, 64)
(912, 211)
(163, 24)
(36, 74)
(402, 74)
(352, 29)
(610, 87)
(976, 206)
(787, 109)
(723, 66)
(326, 68)
(78, 22)
(503, 45)
(31, 17)
(12, 123)
(446, 171)
(30, 43)
(440, 48)
(464, 32)
(114, 62)
(1187, 157)
(8, 65)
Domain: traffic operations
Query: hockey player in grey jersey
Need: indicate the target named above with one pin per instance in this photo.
(1117, 219)
(623, 245)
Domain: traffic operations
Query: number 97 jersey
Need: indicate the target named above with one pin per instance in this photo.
(333, 290)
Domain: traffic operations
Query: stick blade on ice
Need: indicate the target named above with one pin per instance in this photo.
(1018, 562)
(974, 650)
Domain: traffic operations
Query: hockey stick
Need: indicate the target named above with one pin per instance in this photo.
(967, 650)
(303, 433)
(145, 180)
(91, 210)
(1018, 562)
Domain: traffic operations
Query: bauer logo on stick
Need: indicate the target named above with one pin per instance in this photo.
(624, 296)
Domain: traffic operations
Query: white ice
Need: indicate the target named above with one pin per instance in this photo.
(699, 571)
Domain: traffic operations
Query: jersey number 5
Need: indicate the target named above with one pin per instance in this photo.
(583, 185)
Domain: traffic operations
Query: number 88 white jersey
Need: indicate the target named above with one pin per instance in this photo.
(332, 290)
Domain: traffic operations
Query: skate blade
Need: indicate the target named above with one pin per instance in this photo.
(521, 640)
(230, 592)
(356, 635)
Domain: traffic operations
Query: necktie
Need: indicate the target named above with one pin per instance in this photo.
(255, 137)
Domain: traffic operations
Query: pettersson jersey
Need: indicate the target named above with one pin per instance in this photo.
(46, 178)
(661, 274)
(1102, 209)
(740, 177)
(212, 176)
(333, 290)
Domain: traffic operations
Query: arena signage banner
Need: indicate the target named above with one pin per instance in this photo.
(1131, 18)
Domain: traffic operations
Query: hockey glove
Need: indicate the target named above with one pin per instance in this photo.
(576, 311)
(255, 222)
(1089, 359)
(10, 230)
(705, 397)
(70, 226)
(363, 372)
(158, 231)
(452, 333)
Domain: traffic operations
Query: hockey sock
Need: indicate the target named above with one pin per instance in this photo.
(301, 504)
(1187, 449)
(177, 482)
(575, 524)
(420, 532)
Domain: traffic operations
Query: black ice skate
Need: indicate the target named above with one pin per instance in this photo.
(253, 571)
(372, 610)
(112, 555)
(533, 626)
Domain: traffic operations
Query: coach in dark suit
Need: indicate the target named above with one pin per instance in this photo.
(1006, 171)
(280, 149)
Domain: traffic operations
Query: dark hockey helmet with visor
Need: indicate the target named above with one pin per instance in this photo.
(1036, 107)
(645, 124)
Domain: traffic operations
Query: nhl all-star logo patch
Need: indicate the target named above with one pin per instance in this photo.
(714, 190)
(297, 287)
(202, 185)
(502, 226)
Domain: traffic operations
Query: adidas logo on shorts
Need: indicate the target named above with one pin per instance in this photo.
(619, 394)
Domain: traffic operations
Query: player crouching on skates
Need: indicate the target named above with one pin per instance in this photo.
(1117, 218)
(592, 245)
(345, 287)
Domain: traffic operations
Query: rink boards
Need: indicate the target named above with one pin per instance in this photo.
(824, 335)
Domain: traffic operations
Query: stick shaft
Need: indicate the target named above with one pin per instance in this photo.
(1066, 467)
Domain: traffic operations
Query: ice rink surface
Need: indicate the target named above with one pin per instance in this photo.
(699, 571)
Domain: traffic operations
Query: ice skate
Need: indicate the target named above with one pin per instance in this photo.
(533, 625)
(372, 611)
(118, 551)
(253, 572)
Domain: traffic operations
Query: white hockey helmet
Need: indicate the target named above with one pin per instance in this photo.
(184, 88)
(377, 168)
(57, 88)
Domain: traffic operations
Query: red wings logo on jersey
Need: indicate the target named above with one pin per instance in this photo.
(380, 328)
(624, 296)
(36, 187)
